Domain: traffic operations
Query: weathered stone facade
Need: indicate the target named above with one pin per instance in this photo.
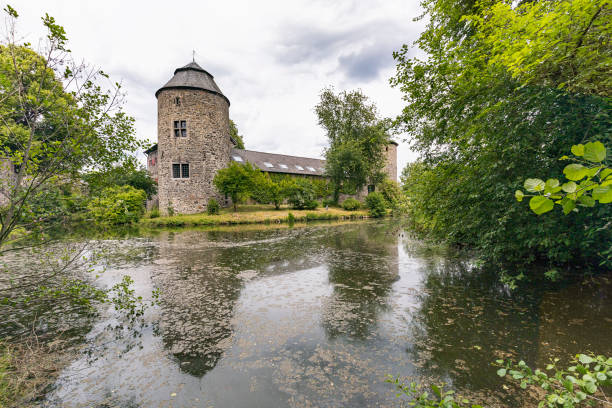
(391, 161)
(205, 148)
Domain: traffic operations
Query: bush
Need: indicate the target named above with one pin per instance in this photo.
(118, 205)
(290, 218)
(301, 194)
(391, 192)
(154, 213)
(351, 204)
(375, 203)
(329, 202)
(213, 207)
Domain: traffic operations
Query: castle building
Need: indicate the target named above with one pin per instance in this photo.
(194, 142)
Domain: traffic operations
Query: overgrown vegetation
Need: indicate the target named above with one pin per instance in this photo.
(494, 104)
(118, 205)
(581, 384)
(357, 140)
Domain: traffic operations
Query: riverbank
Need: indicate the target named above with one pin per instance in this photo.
(254, 214)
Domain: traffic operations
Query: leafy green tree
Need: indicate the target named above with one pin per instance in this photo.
(236, 180)
(357, 137)
(118, 205)
(130, 173)
(57, 119)
(266, 190)
(235, 135)
(557, 44)
(481, 130)
(301, 193)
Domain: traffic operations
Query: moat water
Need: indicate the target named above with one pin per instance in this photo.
(318, 316)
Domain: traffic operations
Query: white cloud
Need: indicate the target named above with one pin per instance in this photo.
(270, 58)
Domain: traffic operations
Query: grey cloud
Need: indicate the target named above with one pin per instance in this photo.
(361, 52)
(367, 63)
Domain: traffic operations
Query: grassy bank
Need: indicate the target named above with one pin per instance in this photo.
(254, 214)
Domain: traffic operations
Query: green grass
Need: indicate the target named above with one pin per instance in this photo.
(253, 214)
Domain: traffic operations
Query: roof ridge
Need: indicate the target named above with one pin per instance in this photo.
(279, 154)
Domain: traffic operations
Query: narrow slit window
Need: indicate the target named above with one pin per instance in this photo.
(185, 170)
(177, 130)
(176, 171)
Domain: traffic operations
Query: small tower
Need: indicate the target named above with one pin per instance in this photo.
(193, 139)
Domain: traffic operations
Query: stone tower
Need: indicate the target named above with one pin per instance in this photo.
(193, 139)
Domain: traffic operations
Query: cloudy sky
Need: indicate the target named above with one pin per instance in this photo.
(270, 58)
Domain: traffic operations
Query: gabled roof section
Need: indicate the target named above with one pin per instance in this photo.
(280, 163)
(193, 76)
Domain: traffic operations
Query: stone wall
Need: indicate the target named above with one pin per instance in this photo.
(206, 148)
(391, 162)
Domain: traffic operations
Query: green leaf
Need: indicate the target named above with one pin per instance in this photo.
(590, 387)
(569, 187)
(584, 359)
(540, 204)
(501, 372)
(575, 171)
(605, 173)
(523, 384)
(534, 185)
(578, 150)
(595, 152)
(436, 390)
(568, 205)
(587, 201)
(603, 194)
(519, 195)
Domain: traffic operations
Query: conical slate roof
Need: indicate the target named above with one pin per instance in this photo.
(193, 76)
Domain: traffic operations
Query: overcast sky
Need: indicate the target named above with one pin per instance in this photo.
(270, 58)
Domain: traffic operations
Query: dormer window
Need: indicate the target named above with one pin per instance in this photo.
(180, 128)
(268, 164)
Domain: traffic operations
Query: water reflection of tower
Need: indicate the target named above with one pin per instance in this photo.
(197, 300)
(363, 264)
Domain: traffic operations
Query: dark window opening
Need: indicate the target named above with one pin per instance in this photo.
(180, 170)
(177, 101)
(371, 188)
(180, 128)
(16, 168)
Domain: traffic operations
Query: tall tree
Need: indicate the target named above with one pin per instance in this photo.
(357, 138)
(56, 119)
(484, 118)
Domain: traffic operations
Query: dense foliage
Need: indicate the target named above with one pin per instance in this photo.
(351, 204)
(375, 203)
(128, 173)
(58, 119)
(236, 181)
(486, 116)
(357, 137)
(301, 194)
(581, 384)
(118, 205)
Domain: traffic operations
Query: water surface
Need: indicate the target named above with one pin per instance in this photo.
(317, 317)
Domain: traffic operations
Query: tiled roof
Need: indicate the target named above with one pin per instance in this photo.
(280, 163)
(192, 76)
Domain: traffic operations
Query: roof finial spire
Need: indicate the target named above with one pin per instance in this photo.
(193, 55)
